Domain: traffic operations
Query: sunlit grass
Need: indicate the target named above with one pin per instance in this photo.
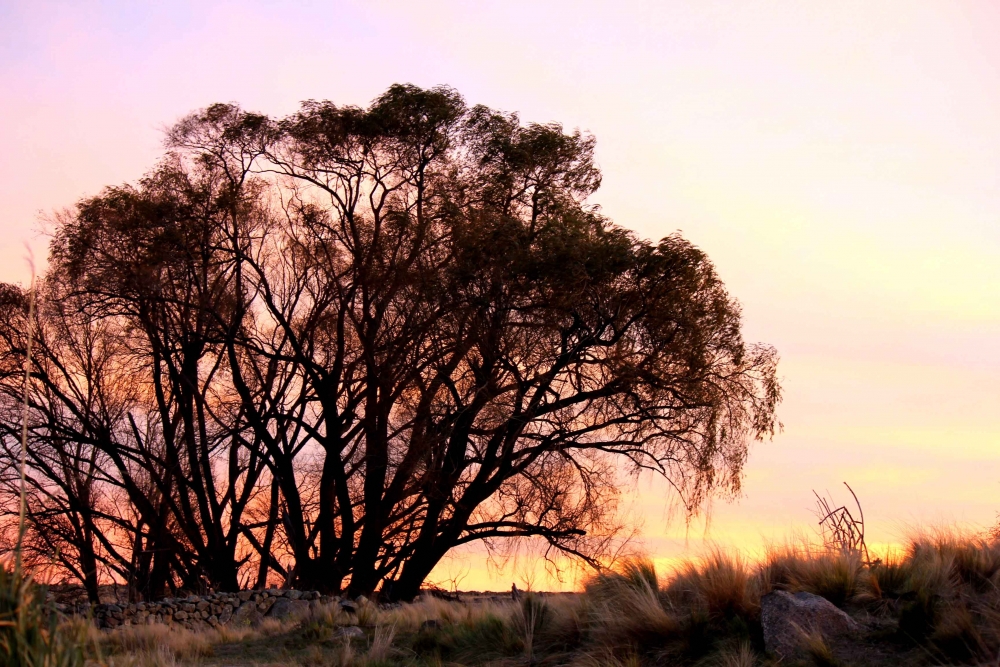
(937, 602)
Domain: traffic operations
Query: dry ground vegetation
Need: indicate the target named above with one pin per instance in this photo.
(937, 603)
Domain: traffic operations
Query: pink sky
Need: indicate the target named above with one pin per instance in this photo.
(840, 162)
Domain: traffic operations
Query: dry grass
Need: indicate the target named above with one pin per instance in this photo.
(30, 635)
(742, 656)
(936, 603)
(723, 585)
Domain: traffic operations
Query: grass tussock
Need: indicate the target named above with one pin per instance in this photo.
(937, 602)
(31, 633)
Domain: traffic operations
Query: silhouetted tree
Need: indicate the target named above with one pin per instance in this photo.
(368, 336)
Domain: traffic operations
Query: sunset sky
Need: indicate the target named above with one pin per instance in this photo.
(839, 162)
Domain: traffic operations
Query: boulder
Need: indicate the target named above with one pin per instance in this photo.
(247, 616)
(284, 608)
(349, 606)
(788, 619)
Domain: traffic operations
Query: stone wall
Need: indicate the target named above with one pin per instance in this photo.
(195, 612)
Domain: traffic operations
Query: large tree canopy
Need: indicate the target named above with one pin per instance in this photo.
(336, 345)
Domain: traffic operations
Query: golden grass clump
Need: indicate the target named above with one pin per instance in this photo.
(722, 584)
(624, 607)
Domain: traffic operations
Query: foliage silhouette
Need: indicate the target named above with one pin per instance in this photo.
(339, 344)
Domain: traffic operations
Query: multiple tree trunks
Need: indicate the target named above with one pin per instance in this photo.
(329, 348)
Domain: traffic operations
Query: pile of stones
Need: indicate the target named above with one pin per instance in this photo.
(245, 608)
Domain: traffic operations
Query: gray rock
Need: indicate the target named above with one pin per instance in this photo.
(180, 615)
(284, 608)
(227, 613)
(293, 595)
(348, 606)
(787, 620)
(247, 616)
(265, 605)
(349, 633)
(244, 595)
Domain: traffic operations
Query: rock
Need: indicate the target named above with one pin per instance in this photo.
(361, 599)
(348, 606)
(247, 616)
(227, 613)
(787, 619)
(349, 632)
(430, 624)
(180, 615)
(293, 595)
(264, 605)
(284, 608)
(202, 606)
(244, 595)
